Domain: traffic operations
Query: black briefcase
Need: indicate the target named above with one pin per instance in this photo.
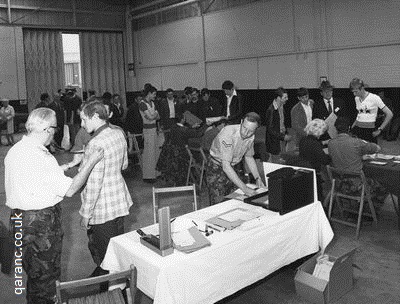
(290, 189)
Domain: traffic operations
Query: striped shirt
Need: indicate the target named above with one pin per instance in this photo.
(106, 196)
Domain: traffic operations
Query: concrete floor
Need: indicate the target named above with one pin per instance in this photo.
(377, 258)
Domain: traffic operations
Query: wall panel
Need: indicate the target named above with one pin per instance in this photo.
(354, 22)
(264, 27)
(378, 67)
(243, 73)
(12, 64)
(178, 77)
(177, 42)
(149, 75)
(291, 71)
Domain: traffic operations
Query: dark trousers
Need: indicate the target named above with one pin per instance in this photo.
(41, 240)
(365, 133)
(218, 182)
(100, 235)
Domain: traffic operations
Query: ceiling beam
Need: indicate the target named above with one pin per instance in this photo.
(187, 2)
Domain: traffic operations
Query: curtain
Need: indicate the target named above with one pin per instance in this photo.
(102, 62)
(43, 64)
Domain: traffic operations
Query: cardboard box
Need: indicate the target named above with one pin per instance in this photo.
(317, 290)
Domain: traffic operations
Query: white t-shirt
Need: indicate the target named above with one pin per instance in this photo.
(368, 110)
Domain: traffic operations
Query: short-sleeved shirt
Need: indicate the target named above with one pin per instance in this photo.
(33, 178)
(368, 110)
(228, 145)
(346, 152)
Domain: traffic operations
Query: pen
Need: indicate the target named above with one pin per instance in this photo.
(172, 220)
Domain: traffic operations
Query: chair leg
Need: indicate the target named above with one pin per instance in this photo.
(371, 206)
(188, 173)
(331, 195)
(360, 213)
(395, 206)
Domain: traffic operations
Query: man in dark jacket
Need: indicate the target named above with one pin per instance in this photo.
(275, 130)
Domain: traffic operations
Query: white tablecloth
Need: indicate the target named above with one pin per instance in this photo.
(236, 258)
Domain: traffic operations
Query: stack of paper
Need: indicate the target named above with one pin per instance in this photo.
(323, 267)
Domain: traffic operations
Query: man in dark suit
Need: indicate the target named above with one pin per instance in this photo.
(276, 131)
(232, 104)
(327, 104)
(301, 114)
(166, 109)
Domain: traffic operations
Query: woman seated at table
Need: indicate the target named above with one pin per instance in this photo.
(346, 153)
(174, 159)
(311, 153)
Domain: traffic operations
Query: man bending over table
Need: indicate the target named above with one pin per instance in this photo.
(228, 148)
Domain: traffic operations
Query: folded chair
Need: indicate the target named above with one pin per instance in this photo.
(133, 146)
(110, 297)
(197, 164)
(335, 196)
(190, 190)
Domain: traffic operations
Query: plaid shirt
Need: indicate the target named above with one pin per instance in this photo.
(106, 196)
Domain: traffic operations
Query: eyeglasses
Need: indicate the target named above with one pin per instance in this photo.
(56, 129)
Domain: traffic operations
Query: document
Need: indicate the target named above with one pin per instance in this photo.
(330, 121)
(190, 241)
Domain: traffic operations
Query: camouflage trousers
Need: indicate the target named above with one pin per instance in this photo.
(218, 182)
(41, 251)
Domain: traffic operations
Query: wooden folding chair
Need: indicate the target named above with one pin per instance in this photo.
(133, 146)
(336, 175)
(197, 164)
(156, 191)
(109, 297)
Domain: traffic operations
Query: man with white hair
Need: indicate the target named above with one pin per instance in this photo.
(35, 185)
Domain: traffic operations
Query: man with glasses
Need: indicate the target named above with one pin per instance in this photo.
(35, 185)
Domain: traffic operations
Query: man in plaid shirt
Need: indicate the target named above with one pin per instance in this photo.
(105, 198)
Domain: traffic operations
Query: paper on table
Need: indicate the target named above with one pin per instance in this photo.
(183, 238)
(384, 156)
(330, 121)
(378, 163)
(237, 214)
(239, 194)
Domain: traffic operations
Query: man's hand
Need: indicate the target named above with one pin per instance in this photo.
(249, 192)
(287, 137)
(85, 223)
(376, 133)
(260, 183)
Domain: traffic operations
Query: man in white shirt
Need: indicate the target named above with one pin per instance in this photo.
(367, 105)
(232, 103)
(35, 185)
(301, 114)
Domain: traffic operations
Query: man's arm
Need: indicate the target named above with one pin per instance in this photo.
(251, 163)
(80, 179)
(230, 172)
(388, 117)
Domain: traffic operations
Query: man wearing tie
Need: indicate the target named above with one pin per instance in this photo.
(232, 103)
(325, 106)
